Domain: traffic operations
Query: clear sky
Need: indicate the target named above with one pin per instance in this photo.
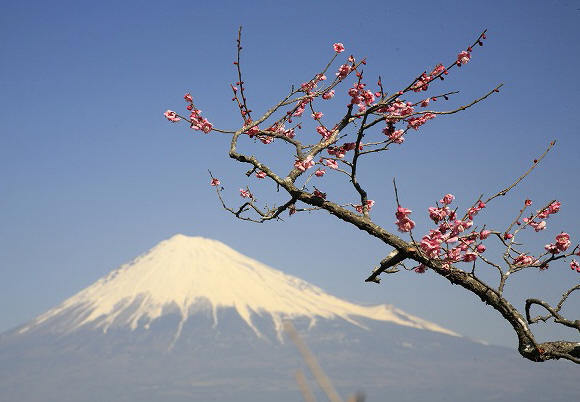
(92, 175)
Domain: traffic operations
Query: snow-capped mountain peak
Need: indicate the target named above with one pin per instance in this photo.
(184, 273)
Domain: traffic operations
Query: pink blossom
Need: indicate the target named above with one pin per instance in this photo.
(425, 102)
(206, 126)
(324, 132)
(338, 47)
(471, 212)
(431, 243)
(416, 122)
(438, 214)
(188, 98)
(328, 95)
(397, 109)
(405, 225)
(563, 241)
(260, 174)
(463, 57)
(331, 163)
(198, 122)
(438, 69)
(527, 203)
(484, 234)
(523, 259)
(551, 209)
(554, 207)
(454, 254)
(537, 226)
(507, 236)
(339, 152)
(320, 172)
(422, 83)
(302, 165)
(171, 116)
(317, 115)
(403, 222)
(253, 131)
(447, 199)
(214, 182)
(574, 265)
(343, 71)
(245, 193)
(396, 136)
(359, 208)
(480, 248)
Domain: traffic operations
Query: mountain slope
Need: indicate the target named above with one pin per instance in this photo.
(183, 273)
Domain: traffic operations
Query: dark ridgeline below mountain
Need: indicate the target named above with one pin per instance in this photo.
(193, 320)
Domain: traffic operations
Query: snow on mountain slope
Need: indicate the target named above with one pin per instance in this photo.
(184, 274)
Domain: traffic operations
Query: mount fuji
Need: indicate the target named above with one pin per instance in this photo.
(192, 319)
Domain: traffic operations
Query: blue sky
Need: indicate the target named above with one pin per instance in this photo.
(92, 175)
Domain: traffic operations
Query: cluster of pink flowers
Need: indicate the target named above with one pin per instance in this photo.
(422, 83)
(418, 121)
(359, 208)
(431, 243)
(361, 97)
(550, 209)
(403, 222)
(553, 208)
(574, 265)
(304, 164)
(394, 135)
(198, 122)
(331, 163)
(463, 57)
(320, 172)
(439, 213)
(253, 130)
(397, 109)
(523, 259)
(324, 132)
(562, 243)
(343, 71)
(450, 231)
